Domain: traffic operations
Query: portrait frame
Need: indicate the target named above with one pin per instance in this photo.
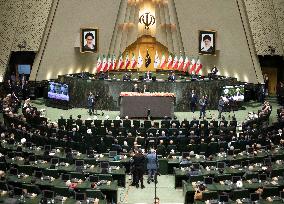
(95, 32)
(207, 35)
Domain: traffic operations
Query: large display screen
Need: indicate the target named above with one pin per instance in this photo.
(24, 69)
(235, 93)
(58, 91)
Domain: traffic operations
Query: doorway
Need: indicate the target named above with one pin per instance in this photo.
(272, 76)
(20, 64)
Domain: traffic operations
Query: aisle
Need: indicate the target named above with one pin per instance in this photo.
(165, 191)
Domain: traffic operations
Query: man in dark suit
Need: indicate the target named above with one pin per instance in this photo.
(171, 148)
(192, 100)
(203, 104)
(135, 88)
(25, 89)
(213, 74)
(161, 148)
(214, 70)
(138, 167)
(9, 87)
(172, 77)
(91, 103)
(115, 146)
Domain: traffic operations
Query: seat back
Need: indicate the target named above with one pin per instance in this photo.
(127, 124)
(165, 124)
(240, 193)
(116, 123)
(147, 124)
(77, 175)
(27, 169)
(62, 191)
(98, 123)
(213, 148)
(209, 195)
(107, 123)
(270, 191)
(51, 172)
(136, 124)
(3, 166)
(90, 193)
(3, 186)
(107, 177)
(31, 188)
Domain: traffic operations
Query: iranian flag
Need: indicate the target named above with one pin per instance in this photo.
(198, 66)
(157, 60)
(170, 62)
(186, 64)
(99, 64)
(192, 66)
(140, 60)
(113, 62)
(109, 63)
(127, 61)
(104, 66)
(120, 62)
(133, 61)
(175, 63)
(180, 64)
(163, 62)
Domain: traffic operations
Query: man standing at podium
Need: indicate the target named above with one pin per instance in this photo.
(213, 74)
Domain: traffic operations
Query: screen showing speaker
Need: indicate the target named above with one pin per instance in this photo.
(235, 93)
(58, 91)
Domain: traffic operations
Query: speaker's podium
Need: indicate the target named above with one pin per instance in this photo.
(143, 105)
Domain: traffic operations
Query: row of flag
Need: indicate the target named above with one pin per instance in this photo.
(182, 64)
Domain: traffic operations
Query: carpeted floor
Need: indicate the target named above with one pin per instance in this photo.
(53, 113)
(165, 191)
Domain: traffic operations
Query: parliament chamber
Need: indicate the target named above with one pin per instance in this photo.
(141, 101)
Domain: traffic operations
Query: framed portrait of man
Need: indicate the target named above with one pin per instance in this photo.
(207, 42)
(89, 40)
